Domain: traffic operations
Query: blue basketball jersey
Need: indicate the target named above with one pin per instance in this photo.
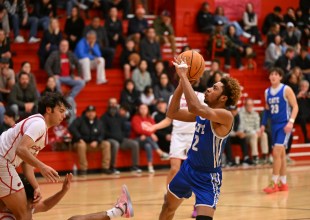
(279, 107)
(206, 149)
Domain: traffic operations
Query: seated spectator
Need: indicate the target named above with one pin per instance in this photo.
(123, 5)
(102, 39)
(273, 52)
(5, 48)
(250, 24)
(18, 14)
(43, 11)
(141, 77)
(272, 33)
(26, 67)
(150, 49)
(236, 137)
(51, 87)
(74, 28)
(147, 140)
(164, 89)
(88, 135)
(4, 21)
(23, 98)
(129, 58)
(114, 27)
(50, 42)
(130, 96)
(159, 69)
(164, 135)
(286, 62)
(164, 30)
(250, 125)
(8, 120)
(137, 26)
(117, 133)
(303, 117)
(207, 74)
(205, 19)
(301, 24)
(293, 82)
(216, 77)
(291, 17)
(237, 49)
(7, 79)
(88, 52)
(273, 17)
(148, 98)
(220, 16)
(290, 38)
(62, 65)
(79, 5)
(303, 61)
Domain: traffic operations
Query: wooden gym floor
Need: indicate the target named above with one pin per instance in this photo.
(241, 195)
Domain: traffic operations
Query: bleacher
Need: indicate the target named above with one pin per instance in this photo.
(254, 82)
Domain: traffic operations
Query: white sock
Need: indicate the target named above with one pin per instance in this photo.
(283, 179)
(114, 213)
(275, 178)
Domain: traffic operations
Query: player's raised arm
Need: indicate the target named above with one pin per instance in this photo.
(174, 111)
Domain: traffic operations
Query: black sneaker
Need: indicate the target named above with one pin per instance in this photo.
(106, 171)
(115, 171)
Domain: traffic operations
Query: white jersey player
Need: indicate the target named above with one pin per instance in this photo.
(19, 145)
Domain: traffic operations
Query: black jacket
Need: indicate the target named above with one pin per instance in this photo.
(114, 126)
(81, 128)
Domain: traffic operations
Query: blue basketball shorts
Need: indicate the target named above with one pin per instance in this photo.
(206, 186)
(278, 136)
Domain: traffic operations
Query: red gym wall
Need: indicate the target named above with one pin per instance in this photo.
(184, 11)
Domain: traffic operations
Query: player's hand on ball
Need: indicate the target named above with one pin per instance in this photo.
(181, 67)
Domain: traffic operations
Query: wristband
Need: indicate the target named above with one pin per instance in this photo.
(292, 120)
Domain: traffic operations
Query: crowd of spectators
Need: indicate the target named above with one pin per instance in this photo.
(68, 56)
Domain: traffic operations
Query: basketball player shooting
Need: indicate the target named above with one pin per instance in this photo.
(201, 171)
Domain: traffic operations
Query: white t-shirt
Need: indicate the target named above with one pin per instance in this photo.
(181, 127)
(33, 126)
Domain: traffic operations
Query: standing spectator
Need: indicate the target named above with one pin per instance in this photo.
(129, 58)
(303, 61)
(137, 26)
(5, 48)
(130, 96)
(74, 28)
(8, 120)
(7, 78)
(250, 24)
(102, 39)
(273, 52)
(141, 77)
(62, 65)
(205, 19)
(50, 42)
(23, 99)
(164, 134)
(88, 135)
(88, 52)
(150, 49)
(18, 14)
(274, 17)
(164, 30)
(303, 116)
(4, 20)
(286, 61)
(250, 125)
(164, 89)
(43, 11)
(123, 5)
(148, 140)
(114, 28)
(117, 133)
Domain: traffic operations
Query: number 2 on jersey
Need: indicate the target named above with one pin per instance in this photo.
(196, 137)
(274, 109)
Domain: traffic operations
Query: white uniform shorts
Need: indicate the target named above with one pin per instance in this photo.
(179, 145)
(10, 181)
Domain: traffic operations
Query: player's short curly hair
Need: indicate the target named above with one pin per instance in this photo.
(231, 89)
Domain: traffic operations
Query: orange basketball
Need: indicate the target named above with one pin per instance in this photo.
(195, 62)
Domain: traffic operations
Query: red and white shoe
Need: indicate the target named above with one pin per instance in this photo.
(283, 187)
(124, 203)
(272, 188)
